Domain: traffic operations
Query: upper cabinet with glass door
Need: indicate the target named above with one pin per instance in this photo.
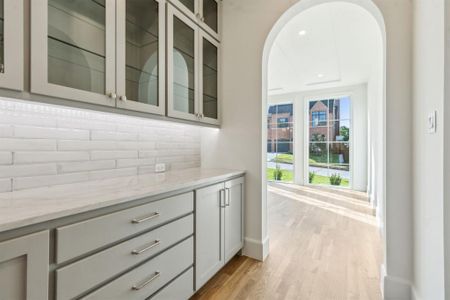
(182, 66)
(205, 12)
(140, 55)
(209, 79)
(11, 44)
(193, 71)
(73, 49)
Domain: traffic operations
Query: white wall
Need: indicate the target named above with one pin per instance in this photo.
(428, 160)
(358, 94)
(239, 144)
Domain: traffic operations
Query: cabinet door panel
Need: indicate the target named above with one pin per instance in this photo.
(210, 11)
(182, 66)
(209, 232)
(234, 238)
(73, 49)
(24, 267)
(209, 79)
(140, 55)
(11, 44)
(211, 14)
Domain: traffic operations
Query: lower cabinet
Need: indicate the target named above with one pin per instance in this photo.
(164, 249)
(219, 227)
(146, 279)
(24, 267)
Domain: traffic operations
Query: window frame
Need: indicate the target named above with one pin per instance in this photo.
(308, 121)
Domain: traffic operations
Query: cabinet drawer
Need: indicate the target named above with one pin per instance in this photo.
(145, 280)
(97, 268)
(181, 288)
(77, 239)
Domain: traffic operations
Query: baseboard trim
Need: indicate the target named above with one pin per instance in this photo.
(395, 288)
(256, 249)
(415, 295)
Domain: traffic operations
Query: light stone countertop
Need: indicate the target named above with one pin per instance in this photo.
(33, 206)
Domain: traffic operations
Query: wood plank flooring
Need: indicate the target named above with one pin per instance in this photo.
(324, 244)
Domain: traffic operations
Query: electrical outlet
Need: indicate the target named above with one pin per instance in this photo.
(431, 122)
(159, 168)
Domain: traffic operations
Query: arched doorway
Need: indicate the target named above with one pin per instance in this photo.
(375, 111)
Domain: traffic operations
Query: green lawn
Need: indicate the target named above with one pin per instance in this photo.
(284, 159)
(287, 175)
(319, 179)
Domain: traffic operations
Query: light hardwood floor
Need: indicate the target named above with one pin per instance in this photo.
(324, 244)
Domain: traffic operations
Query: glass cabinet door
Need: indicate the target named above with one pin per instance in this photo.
(182, 66)
(209, 72)
(73, 49)
(140, 55)
(11, 44)
(210, 16)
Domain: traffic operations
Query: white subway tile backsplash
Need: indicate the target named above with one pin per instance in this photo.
(43, 145)
(30, 157)
(12, 171)
(71, 145)
(22, 183)
(25, 119)
(86, 166)
(135, 162)
(11, 144)
(113, 136)
(100, 155)
(50, 133)
(6, 131)
(98, 175)
(5, 158)
(5, 185)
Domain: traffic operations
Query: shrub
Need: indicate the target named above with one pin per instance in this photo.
(335, 179)
(311, 176)
(277, 173)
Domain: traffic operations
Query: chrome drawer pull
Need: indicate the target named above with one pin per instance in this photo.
(146, 248)
(139, 286)
(146, 218)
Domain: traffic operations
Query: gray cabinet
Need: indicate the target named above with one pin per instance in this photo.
(206, 13)
(24, 266)
(73, 50)
(234, 206)
(219, 227)
(107, 52)
(11, 44)
(193, 66)
(209, 232)
(141, 55)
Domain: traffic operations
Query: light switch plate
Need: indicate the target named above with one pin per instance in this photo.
(159, 168)
(431, 122)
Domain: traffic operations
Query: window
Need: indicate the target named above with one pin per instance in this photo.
(329, 134)
(280, 143)
(283, 122)
(319, 118)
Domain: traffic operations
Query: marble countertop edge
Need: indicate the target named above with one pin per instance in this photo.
(28, 207)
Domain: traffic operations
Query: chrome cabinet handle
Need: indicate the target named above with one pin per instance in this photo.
(145, 218)
(227, 196)
(146, 248)
(139, 286)
(123, 98)
(222, 198)
(112, 95)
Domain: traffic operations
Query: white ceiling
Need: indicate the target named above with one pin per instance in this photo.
(342, 43)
